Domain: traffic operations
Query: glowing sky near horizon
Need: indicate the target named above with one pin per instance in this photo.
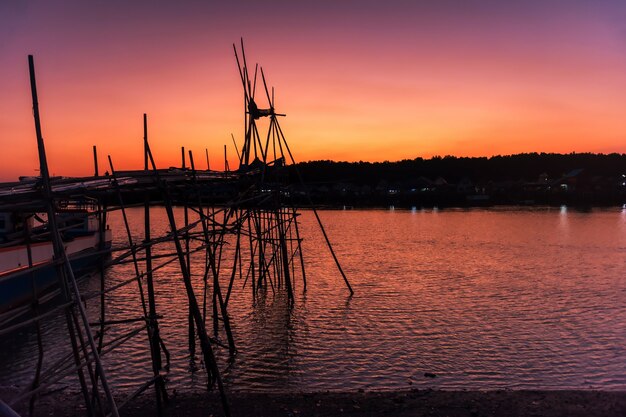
(359, 80)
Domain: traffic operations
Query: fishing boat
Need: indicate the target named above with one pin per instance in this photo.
(27, 266)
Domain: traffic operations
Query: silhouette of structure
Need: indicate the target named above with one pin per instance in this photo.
(244, 212)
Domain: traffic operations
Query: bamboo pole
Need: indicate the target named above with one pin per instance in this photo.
(65, 269)
(205, 344)
(153, 323)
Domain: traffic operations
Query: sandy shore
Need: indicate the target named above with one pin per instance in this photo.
(398, 404)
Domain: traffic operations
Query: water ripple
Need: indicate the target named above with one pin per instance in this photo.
(483, 299)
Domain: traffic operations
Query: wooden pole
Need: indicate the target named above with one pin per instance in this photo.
(95, 161)
(205, 344)
(299, 247)
(191, 332)
(59, 253)
(284, 255)
(226, 167)
(160, 391)
(317, 217)
(35, 303)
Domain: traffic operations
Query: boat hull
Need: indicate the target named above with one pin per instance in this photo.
(20, 285)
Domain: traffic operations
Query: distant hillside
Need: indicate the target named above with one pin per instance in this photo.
(527, 166)
(532, 178)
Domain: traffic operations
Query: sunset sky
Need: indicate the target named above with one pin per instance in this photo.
(358, 80)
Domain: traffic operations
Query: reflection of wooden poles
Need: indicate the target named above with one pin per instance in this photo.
(284, 255)
(236, 257)
(252, 269)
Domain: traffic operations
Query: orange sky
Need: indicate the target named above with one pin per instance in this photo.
(358, 81)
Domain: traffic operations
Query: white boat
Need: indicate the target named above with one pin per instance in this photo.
(27, 270)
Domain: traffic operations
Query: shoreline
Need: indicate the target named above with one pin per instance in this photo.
(414, 402)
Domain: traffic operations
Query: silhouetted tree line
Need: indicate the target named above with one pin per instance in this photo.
(531, 178)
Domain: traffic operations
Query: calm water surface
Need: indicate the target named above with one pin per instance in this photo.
(484, 299)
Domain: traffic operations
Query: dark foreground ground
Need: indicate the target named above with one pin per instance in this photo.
(397, 404)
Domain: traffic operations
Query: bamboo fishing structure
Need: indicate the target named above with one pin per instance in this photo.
(238, 226)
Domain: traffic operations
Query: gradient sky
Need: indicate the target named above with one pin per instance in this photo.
(359, 80)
